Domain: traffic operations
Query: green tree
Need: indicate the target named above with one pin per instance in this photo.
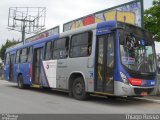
(8, 43)
(152, 19)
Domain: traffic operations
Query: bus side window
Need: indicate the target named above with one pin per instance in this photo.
(18, 56)
(48, 49)
(24, 55)
(29, 54)
(7, 60)
(81, 45)
(60, 48)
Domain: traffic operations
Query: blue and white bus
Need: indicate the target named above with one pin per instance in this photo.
(109, 58)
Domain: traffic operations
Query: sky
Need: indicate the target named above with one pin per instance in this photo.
(57, 12)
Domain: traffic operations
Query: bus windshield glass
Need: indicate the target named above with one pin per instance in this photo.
(137, 50)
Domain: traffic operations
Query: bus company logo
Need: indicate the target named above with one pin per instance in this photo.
(152, 83)
(47, 66)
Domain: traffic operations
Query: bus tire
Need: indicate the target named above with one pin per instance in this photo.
(78, 89)
(20, 82)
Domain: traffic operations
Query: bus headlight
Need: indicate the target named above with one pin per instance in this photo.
(124, 78)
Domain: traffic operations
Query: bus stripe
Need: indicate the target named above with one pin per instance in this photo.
(45, 75)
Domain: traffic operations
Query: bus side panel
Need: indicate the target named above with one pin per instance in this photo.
(62, 73)
(6, 72)
(81, 65)
(23, 69)
(48, 74)
(43, 77)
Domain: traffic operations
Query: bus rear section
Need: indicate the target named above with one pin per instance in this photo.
(9, 66)
(17, 65)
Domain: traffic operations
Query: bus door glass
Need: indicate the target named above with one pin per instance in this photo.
(105, 64)
(7, 66)
(11, 67)
(37, 60)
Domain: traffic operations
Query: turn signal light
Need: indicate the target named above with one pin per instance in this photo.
(135, 81)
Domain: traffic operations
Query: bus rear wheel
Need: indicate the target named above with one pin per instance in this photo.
(78, 89)
(20, 82)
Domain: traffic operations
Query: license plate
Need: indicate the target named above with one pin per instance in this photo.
(144, 93)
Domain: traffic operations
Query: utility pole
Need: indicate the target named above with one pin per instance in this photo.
(23, 32)
(26, 20)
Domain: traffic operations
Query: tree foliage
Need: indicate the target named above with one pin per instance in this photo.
(152, 20)
(8, 43)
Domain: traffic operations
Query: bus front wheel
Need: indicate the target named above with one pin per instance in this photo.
(20, 82)
(78, 89)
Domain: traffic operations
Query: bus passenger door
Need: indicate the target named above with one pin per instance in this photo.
(105, 64)
(37, 60)
(7, 67)
(11, 67)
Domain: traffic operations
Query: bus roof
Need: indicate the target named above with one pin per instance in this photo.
(106, 24)
(31, 43)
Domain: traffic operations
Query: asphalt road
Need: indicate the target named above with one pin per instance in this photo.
(38, 101)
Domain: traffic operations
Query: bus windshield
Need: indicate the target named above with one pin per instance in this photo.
(137, 50)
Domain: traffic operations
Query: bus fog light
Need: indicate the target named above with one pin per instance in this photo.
(124, 78)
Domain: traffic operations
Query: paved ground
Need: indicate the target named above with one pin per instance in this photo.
(14, 100)
(155, 99)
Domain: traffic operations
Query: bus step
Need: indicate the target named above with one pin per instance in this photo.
(35, 86)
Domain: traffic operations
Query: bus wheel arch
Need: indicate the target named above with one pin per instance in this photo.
(77, 80)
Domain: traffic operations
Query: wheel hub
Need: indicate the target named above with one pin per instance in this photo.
(78, 88)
